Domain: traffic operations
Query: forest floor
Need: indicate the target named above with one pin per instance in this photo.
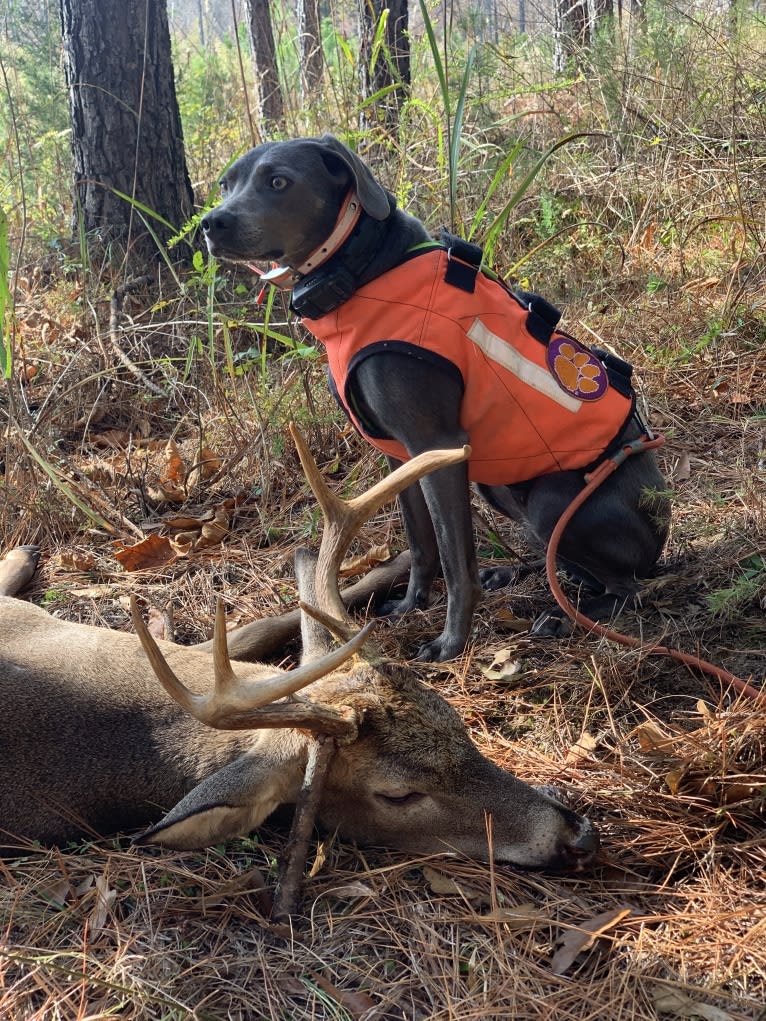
(670, 921)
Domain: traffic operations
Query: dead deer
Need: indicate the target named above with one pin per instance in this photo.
(91, 744)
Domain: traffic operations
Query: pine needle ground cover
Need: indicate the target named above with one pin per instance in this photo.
(145, 449)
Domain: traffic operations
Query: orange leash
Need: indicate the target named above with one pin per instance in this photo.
(593, 481)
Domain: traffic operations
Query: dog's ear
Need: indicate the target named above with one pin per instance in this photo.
(372, 195)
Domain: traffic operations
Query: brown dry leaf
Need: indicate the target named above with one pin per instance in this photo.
(682, 470)
(319, 859)
(583, 748)
(154, 551)
(366, 561)
(156, 624)
(183, 543)
(504, 668)
(521, 917)
(650, 736)
(105, 898)
(674, 778)
(672, 1001)
(76, 561)
(352, 891)
(510, 622)
(355, 1002)
(214, 531)
(175, 469)
(113, 438)
(440, 883)
(206, 467)
(57, 894)
(575, 941)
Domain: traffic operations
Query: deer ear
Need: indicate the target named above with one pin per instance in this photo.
(230, 803)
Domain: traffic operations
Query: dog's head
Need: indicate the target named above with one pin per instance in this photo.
(281, 200)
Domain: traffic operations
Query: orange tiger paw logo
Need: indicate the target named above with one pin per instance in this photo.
(576, 369)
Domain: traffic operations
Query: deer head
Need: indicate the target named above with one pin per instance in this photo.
(404, 774)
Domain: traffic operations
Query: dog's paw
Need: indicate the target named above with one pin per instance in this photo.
(440, 650)
(493, 578)
(552, 624)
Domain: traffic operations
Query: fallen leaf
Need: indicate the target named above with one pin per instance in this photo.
(583, 748)
(673, 779)
(650, 736)
(154, 551)
(504, 668)
(112, 438)
(580, 938)
(366, 561)
(175, 470)
(105, 898)
(206, 467)
(671, 1001)
(683, 468)
(73, 561)
(156, 624)
(521, 917)
(355, 1002)
(350, 891)
(510, 622)
(440, 883)
(215, 531)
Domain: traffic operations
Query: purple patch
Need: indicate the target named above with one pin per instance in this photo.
(576, 369)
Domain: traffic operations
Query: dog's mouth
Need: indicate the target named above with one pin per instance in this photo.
(222, 251)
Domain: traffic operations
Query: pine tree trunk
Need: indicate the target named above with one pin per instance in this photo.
(312, 61)
(271, 106)
(391, 67)
(126, 127)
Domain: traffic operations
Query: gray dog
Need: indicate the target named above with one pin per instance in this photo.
(426, 351)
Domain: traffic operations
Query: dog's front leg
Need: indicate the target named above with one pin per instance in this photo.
(414, 401)
(424, 554)
(446, 496)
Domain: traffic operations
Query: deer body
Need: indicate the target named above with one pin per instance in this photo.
(91, 744)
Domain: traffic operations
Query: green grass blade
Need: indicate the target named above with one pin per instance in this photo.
(502, 217)
(457, 132)
(6, 300)
(438, 64)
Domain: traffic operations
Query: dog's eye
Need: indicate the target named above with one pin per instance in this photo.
(279, 183)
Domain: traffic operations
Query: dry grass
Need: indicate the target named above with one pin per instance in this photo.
(670, 767)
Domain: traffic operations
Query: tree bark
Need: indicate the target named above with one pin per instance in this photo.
(391, 65)
(312, 61)
(126, 126)
(270, 103)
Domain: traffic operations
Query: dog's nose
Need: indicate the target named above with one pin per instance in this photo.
(216, 222)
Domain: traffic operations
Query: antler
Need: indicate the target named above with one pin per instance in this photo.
(237, 703)
(343, 518)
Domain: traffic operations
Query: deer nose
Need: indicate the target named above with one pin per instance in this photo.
(578, 853)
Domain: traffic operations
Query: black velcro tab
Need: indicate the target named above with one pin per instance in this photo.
(464, 260)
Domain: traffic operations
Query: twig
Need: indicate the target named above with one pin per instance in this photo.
(115, 332)
(287, 894)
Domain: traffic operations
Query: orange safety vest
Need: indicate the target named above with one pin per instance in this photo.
(535, 400)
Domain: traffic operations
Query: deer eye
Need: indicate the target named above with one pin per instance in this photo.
(400, 799)
(279, 183)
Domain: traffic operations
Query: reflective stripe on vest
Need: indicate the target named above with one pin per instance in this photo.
(529, 408)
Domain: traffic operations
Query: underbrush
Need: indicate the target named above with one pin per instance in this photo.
(159, 408)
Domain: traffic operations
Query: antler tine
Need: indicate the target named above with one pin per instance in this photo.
(225, 678)
(343, 518)
(242, 704)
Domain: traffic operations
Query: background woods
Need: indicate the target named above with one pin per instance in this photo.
(609, 156)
